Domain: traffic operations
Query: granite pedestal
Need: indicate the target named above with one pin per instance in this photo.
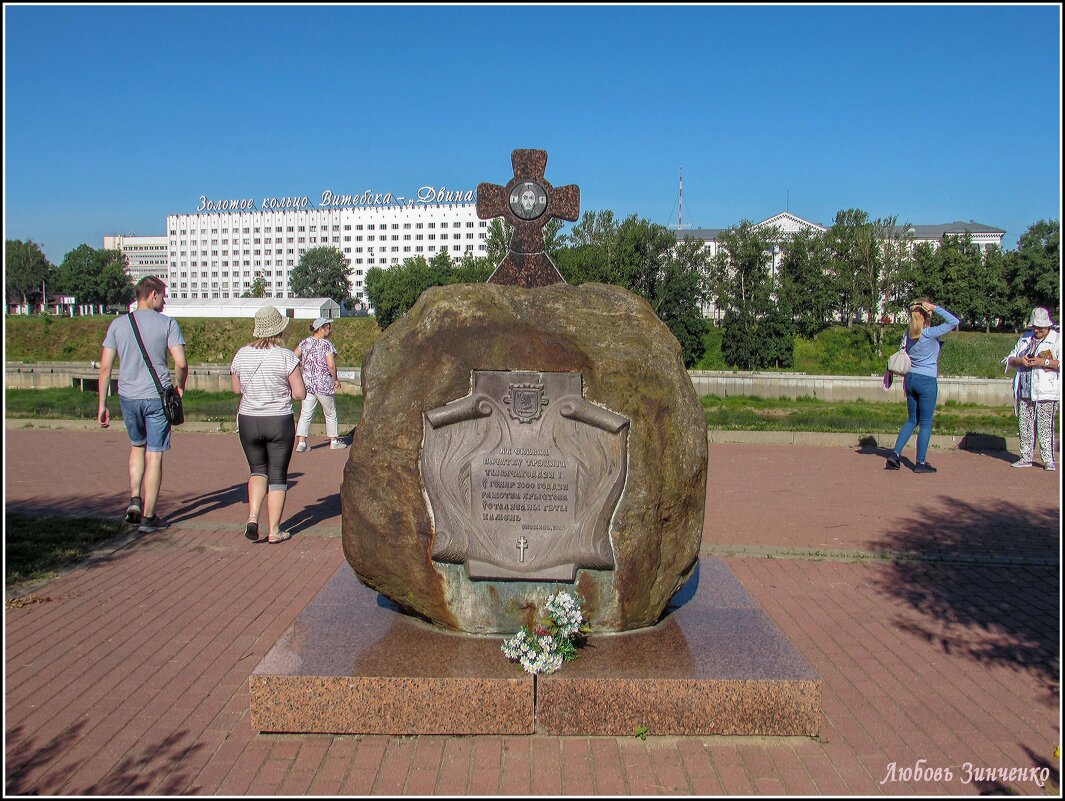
(716, 664)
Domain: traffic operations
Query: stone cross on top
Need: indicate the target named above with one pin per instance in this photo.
(527, 203)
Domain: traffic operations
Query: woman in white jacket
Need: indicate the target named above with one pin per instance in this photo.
(1036, 387)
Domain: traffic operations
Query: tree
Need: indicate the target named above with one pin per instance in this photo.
(803, 290)
(258, 288)
(758, 332)
(115, 287)
(963, 290)
(497, 242)
(96, 276)
(26, 268)
(682, 293)
(896, 258)
(321, 273)
(741, 272)
(854, 263)
(926, 276)
(994, 299)
(393, 291)
(1034, 271)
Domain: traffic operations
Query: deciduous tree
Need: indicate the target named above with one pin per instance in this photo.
(321, 273)
(1034, 271)
(96, 276)
(803, 289)
(26, 268)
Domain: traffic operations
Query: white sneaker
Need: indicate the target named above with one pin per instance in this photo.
(1021, 463)
(337, 444)
(1049, 467)
(301, 447)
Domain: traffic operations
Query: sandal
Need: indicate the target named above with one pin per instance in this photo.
(251, 531)
(281, 537)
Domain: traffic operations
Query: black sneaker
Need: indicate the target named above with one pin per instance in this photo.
(923, 467)
(892, 462)
(133, 511)
(153, 523)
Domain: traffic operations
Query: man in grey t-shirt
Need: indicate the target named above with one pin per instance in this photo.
(142, 408)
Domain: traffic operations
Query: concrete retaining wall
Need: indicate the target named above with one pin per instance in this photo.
(210, 378)
(984, 391)
(215, 378)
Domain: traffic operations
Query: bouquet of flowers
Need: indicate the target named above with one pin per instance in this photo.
(554, 639)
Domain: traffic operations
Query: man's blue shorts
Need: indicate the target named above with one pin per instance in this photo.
(146, 423)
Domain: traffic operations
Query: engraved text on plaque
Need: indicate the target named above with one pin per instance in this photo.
(522, 477)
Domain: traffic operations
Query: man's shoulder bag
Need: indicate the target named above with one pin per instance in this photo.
(171, 398)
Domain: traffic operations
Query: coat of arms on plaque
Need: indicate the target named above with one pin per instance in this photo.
(525, 401)
(530, 499)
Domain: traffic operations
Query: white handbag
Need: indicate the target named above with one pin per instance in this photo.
(899, 361)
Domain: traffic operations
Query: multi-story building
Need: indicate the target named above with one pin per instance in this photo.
(983, 236)
(146, 255)
(219, 253)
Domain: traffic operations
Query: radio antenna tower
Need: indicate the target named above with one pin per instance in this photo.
(680, 202)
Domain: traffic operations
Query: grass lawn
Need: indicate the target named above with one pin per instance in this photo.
(744, 413)
(35, 548)
(736, 413)
(67, 403)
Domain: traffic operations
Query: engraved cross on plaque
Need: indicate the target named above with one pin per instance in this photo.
(521, 546)
(527, 202)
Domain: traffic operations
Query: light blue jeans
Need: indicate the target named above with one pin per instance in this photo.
(921, 393)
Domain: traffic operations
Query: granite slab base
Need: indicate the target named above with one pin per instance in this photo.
(716, 664)
(351, 663)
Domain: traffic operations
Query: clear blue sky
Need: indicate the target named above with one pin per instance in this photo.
(117, 116)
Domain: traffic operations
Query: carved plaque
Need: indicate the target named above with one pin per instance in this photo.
(522, 477)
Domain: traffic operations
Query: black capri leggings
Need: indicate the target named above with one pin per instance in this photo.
(268, 443)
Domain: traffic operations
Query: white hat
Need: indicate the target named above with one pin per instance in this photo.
(319, 322)
(1040, 319)
(269, 322)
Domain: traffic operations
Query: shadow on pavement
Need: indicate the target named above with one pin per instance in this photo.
(324, 508)
(209, 502)
(41, 768)
(69, 506)
(991, 612)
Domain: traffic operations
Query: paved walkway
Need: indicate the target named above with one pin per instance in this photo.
(129, 674)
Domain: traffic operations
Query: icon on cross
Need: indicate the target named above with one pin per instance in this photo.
(527, 202)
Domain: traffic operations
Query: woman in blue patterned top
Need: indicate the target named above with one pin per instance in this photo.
(921, 341)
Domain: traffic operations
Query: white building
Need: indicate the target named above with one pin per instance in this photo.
(983, 236)
(147, 255)
(295, 308)
(217, 254)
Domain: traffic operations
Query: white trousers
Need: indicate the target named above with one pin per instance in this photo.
(1037, 417)
(329, 409)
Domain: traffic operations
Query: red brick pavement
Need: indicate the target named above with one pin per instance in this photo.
(132, 677)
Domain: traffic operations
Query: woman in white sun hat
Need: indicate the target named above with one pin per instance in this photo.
(317, 357)
(266, 376)
(1036, 387)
